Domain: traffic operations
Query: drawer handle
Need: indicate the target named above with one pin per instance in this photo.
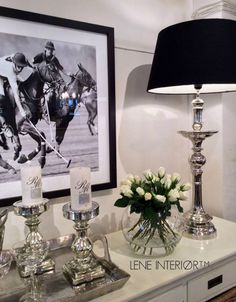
(215, 281)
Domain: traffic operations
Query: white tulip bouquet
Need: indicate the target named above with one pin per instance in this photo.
(152, 197)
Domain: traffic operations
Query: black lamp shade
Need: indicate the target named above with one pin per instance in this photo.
(199, 52)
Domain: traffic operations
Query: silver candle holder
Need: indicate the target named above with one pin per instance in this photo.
(84, 267)
(31, 213)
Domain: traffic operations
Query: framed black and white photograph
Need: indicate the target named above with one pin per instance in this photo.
(57, 101)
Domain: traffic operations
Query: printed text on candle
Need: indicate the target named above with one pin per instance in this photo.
(82, 186)
(35, 181)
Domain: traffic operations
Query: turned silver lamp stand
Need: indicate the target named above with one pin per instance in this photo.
(198, 223)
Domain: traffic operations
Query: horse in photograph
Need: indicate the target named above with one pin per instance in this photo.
(80, 89)
(84, 86)
(9, 116)
(17, 148)
(32, 91)
(89, 99)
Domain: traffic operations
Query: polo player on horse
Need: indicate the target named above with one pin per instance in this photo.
(53, 63)
(10, 68)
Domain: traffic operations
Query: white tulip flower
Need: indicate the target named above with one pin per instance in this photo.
(165, 178)
(128, 193)
(175, 177)
(161, 172)
(125, 182)
(148, 173)
(167, 183)
(173, 195)
(183, 195)
(137, 178)
(155, 178)
(140, 191)
(130, 177)
(186, 187)
(124, 188)
(148, 196)
(161, 198)
(178, 187)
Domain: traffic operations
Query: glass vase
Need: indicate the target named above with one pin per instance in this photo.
(152, 238)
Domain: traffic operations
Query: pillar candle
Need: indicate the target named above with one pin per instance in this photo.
(31, 184)
(80, 188)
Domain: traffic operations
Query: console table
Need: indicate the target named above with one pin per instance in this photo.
(196, 271)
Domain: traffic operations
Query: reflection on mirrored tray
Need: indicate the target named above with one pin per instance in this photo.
(55, 286)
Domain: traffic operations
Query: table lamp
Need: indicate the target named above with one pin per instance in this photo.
(196, 57)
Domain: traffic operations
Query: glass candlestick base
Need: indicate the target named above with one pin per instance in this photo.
(84, 267)
(31, 213)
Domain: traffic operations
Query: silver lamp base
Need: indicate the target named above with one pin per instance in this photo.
(198, 223)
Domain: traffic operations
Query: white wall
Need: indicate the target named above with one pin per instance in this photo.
(146, 124)
(229, 156)
(220, 172)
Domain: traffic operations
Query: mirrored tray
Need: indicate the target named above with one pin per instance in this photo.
(54, 283)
